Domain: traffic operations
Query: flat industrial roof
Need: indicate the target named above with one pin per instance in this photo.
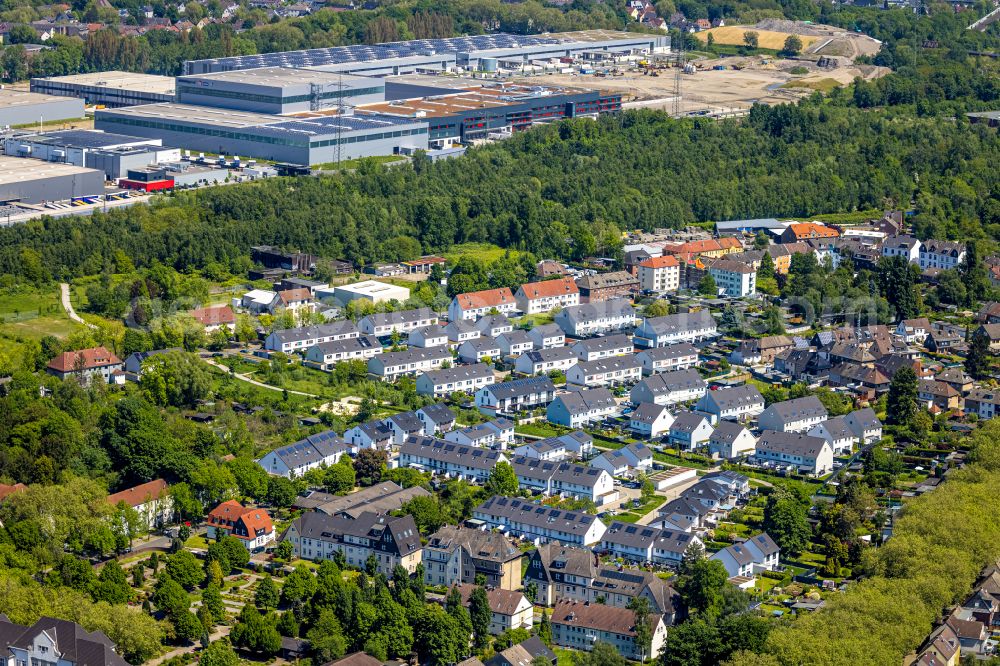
(434, 48)
(83, 138)
(150, 83)
(466, 100)
(262, 123)
(436, 81)
(14, 98)
(369, 287)
(190, 113)
(23, 169)
(284, 76)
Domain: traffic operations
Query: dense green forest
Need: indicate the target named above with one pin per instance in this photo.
(564, 190)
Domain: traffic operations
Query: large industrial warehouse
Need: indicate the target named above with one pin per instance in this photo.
(18, 108)
(111, 89)
(471, 114)
(278, 90)
(280, 138)
(325, 105)
(114, 154)
(475, 53)
(34, 181)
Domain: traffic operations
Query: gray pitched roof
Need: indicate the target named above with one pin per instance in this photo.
(580, 402)
(344, 327)
(687, 421)
(371, 526)
(670, 352)
(605, 365)
(647, 412)
(407, 421)
(739, 553)
(532, 468)
(726, 432)
(74, 643)
(537, 515)
(790, 443)
(458, 373)
(641, 536)
(346, 345)
(734, 397)
(681, 323)
(837, 427)
(798, 408)
(480, 544)
(551, 355)
(607, 343)
(311, 449)
(450, 452)
(676, 380)
(615, 307)
(518, 387)
(765, 544)
(438, 413)
(413, 354)
(400, 317)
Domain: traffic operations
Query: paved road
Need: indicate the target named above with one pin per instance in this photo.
(254, 381)
(68, 305)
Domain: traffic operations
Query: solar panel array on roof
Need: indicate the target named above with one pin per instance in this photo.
(85, 138)
(336, 55)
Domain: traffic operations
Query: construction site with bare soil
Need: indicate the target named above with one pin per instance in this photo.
(714, 84)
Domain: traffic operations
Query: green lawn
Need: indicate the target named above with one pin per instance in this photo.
(564, 656)
(534, 319)
(485, 252)
(196, 541)
(823, 85)
(34, 314)
(354, 164)
(682, 461)
(540, 429)
(633, 515)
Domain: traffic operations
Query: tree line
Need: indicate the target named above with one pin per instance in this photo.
(559, 191)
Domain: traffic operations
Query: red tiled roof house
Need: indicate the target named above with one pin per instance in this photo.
(253, 527)
(87, 363)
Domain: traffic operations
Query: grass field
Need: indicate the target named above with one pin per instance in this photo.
(766, 39)
(822, 85)
(564, 656)
(485, 252)
(354, 164)
(32, 314)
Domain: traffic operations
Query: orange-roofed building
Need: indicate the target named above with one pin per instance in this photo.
(537, 297)
(713, 248)
(253, 527)
(659, 274)
(87, 363)
(151, 500)
(475, 304)
(214, 318)
(802, 231)
(296, 299)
